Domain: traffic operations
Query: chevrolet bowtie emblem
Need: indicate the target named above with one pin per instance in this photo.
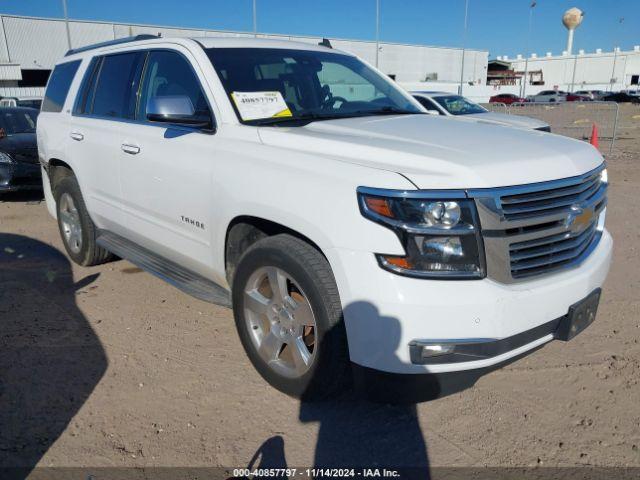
(579, 218)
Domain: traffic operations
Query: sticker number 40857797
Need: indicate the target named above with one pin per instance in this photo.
(255, 105)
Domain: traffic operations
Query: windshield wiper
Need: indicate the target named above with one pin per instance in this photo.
(307, 118)
(388, 111)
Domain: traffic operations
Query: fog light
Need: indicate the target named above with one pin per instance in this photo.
(427, 350)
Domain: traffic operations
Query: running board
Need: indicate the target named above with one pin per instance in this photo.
(189, 282)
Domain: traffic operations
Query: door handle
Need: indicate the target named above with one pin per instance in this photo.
(132, 149)
(77, 136)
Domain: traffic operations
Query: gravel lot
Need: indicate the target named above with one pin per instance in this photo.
(109, 366)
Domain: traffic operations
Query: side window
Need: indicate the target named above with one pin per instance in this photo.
(116, 85)
(428, 104)
(87, 90)
(170, 74)
(58, 86)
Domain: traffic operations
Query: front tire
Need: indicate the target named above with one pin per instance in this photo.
(77, 230)
(289, 317)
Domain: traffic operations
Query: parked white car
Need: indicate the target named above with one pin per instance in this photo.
(452, 105)
(29, 102)
(343, 225)
(548, 96)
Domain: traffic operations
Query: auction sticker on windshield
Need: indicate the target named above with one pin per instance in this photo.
(255, 105)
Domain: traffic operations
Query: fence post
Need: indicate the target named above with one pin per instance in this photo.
(615, 129)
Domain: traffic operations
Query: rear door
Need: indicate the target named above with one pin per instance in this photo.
(167, 170)
(102, 112)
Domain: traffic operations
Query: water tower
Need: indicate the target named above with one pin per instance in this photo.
(572, 19)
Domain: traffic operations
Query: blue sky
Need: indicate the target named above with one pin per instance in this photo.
(499, 26)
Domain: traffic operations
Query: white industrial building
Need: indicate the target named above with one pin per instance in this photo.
(599, 70)
(29, 47)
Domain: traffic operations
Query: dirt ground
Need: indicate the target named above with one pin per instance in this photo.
(109, 366)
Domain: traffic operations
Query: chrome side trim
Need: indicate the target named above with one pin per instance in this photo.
(189, 282)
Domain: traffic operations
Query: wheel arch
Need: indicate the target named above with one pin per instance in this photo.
(245, 230)
(58, 169)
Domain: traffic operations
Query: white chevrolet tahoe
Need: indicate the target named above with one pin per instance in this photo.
(347, 228)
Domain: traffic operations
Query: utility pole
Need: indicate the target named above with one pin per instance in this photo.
(464, 41)
(255, 19)
(66, 23)
(615, 58)
(526, 61)
(377, 31)
(573, 77)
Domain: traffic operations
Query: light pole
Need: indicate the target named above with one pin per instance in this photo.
(464, 41)
(255, 19)
(615, 58)
(66, 22)
(377, 31)
(573, 76)
(526, 60)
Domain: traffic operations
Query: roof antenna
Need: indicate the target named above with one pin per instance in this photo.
(325, 43)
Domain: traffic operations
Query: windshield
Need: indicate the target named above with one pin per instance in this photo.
(270, 86)
(457, 105)
(16, 121)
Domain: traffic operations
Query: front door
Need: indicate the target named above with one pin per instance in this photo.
(167, 171)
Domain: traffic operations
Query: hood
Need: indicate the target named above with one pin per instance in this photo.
(441, 152)
(22, 147)
(508, 120)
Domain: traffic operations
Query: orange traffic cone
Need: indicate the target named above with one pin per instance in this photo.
(594, 136)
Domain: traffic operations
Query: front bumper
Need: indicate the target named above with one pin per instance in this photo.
(20, 176)
(384, 313)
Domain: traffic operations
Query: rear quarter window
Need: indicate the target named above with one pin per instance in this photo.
(58, 86)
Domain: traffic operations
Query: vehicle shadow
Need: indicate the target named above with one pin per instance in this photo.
(50, 357)
(355, 432)
(375, 424)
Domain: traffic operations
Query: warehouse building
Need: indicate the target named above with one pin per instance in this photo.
(29, 47)
(613, 70)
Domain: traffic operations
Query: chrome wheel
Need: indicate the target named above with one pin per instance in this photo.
(280, 321)
(70, 223)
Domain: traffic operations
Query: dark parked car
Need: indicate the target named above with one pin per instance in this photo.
(506, 98)
(621, 97)
(577, 97)
(19, 165)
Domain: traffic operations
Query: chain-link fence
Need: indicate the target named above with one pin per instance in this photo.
(496, 107)
(573, 119)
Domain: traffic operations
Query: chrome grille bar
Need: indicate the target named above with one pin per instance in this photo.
(553, 200)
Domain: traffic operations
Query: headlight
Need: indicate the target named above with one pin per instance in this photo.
(5, 158)
(604, 177)
(441, 236)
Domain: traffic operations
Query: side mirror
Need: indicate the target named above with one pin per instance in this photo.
(176, 109)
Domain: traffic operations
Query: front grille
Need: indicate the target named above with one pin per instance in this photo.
(545, 202)
(537, 229)
(550, 253)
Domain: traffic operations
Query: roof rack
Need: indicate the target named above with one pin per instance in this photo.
(118, 41)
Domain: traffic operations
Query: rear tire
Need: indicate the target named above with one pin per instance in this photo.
(285, 301)
(77, 230)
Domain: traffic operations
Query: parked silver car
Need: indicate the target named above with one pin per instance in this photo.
(548, 96)
(449, 104)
